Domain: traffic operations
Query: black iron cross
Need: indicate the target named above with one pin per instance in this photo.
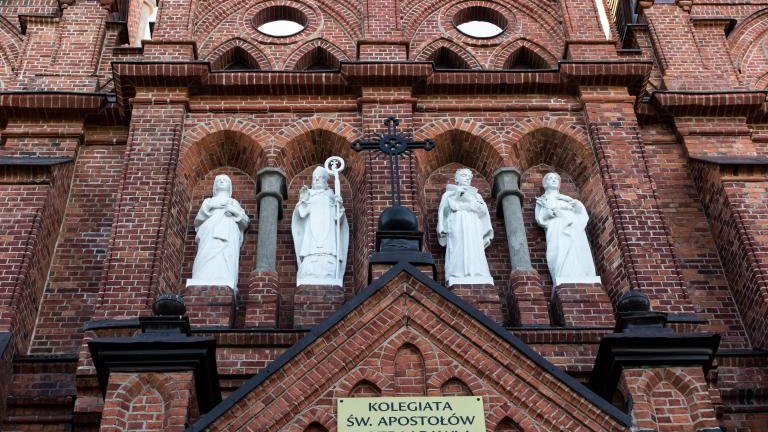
(393, 144)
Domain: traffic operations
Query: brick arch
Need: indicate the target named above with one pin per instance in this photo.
(506, 51)
(530, 140)
(430, 50)
(345, 12)
(566, 149)
(161, 386)
(336, 54)
(748, 53)
(695, 393)
(408, 336)
(321, 415)
(309, 141)
(222, 55)
(10, 43)
(464, 141)
(415, 12)
(435, 383)
(346, 384)
(507, 410)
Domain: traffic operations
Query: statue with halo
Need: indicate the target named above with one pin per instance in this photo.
(564, 218)
(219, 225)
(320, 229)
(464, 228)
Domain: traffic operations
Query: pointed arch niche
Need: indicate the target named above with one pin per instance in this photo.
(232, 152)
(543, 149)
(298, 150)
(460, 144)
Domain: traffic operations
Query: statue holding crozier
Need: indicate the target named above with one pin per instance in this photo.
(320, 228)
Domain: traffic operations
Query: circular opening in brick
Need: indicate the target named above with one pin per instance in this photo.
(280, 21)
(480, 22)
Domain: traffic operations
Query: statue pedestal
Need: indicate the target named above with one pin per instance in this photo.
(484, 298)
(525, 297)
(314, 303)
(209, 305)
(263, 301)
(583, 304)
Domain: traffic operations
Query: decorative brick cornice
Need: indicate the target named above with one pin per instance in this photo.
(719, 104)
(386, 74)
(50, 104)
(496, 82)
(273, 83)
(631, 74)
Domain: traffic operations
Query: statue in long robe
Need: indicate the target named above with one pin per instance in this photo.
(320, 233)
(219, 225)
(564, 218)
(464, 228)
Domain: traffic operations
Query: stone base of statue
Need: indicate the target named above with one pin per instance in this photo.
(582, 304)
(527, 303)
(263, 301)
(484, 297)
(209, 305)
(315, 303)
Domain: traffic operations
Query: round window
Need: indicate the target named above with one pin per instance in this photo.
(280, 21)
(480, 22)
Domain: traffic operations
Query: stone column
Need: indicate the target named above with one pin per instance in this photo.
(272, 191)
(263, 298)
(506, 189)
(524, 296)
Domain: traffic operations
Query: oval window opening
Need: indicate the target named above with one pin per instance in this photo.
(480, 22)
(280, 21)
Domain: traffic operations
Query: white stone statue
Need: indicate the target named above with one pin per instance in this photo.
(464, 228)
(220, 224)
(320, 233)
(568, 254)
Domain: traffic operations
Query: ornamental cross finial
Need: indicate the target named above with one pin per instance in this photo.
(393, 143)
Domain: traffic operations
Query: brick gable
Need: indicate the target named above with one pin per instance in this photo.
(406, 335)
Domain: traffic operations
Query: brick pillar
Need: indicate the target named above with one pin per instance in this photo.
(586, 35)
(383, 39)
(734, 194)
(648, 262)
(172, 38)
(154, 401)
(691, 55)
(524, 295)
(138, 232)
(380, 103)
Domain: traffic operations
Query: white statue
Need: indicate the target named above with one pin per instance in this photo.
(568, 254)
(320, 232)
(220, 224)
(464, 228)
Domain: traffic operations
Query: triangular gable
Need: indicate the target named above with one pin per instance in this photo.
(406, 310)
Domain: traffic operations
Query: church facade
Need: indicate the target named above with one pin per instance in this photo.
(116, 116)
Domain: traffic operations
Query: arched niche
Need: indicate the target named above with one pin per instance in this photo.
(530, 186)
(287, 264)
(543, 149)
(432, 191)
(298, 149)
(244, 191)
(227, 151)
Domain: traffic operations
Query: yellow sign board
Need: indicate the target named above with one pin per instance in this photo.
(411, 414)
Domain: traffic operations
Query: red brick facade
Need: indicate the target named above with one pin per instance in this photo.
(108, 146)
